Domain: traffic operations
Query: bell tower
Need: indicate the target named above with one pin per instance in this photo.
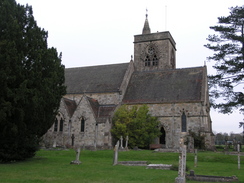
(154, 51)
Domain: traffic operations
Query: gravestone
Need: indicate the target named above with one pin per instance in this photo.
(121, 142)
(54, 142)
(77, 160)
(239, 160)
(72, 139)
(116, 147)
(126, 142)
(195, 162)
(182, 164)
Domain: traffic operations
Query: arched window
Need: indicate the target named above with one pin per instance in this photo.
(56, 125)
(151, 58)
(183, 122)
(82, 126)
(61, 124)
(155, 60)
(147, 61)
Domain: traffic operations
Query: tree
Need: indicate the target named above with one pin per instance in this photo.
(228, 45)
(137, 124)
(31, 80)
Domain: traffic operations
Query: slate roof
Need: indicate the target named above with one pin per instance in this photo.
(102, 112)
(70, 106)
(168, 86)
(95, 79)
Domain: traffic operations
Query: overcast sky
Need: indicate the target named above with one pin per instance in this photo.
(98, 32)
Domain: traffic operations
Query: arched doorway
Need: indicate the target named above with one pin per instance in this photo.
(162, 137)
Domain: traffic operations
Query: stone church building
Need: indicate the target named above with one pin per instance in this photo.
(177, 96)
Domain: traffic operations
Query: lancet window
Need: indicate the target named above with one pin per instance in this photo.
(183, 122)
(58, 123)
(82, 125)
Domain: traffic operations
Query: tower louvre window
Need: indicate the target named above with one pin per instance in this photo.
(147, 61)
(155, 60)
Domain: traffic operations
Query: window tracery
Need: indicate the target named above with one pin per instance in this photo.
(151, 58)
(59, 123)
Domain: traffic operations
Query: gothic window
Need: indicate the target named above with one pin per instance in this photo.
(61, 124)
(183, 122)
(151, 58)
(56, 125)
(147, 61)
(82, 127)
(155, 60)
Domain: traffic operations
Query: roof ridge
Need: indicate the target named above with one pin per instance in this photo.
(98, 65)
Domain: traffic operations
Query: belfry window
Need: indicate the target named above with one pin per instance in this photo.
(82, 126)
(151, 58)
(147, 61)
(183, 122)
(155, 60)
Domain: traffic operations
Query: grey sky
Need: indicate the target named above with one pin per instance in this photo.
(101, 32)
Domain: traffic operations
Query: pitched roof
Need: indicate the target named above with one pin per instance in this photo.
(95, 79)
(70, 106)
(102, 112)
(177, 85)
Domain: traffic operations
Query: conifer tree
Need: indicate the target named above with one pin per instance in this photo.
(228, 47)
(31, 80)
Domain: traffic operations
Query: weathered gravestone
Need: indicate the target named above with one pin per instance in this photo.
(195, 162)
(121, 143)
(126, 142)
(182, 164)
(239, 160)
(116, 147)
(77, 160)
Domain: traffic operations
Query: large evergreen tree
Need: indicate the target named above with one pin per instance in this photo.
(31, 80)
(137, 124)
(228, 47)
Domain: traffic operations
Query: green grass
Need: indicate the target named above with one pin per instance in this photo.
(96, 167)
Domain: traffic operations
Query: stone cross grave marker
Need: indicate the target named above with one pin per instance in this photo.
(73, 139)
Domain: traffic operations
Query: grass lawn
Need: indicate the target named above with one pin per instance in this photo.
(54, 166)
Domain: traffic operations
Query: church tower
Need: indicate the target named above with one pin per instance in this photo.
(154, 51)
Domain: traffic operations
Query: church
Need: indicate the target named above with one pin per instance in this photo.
(179, 97)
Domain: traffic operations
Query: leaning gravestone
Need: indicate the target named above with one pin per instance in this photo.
(77, 160)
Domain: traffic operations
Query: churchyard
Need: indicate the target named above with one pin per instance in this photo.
(97, 167)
